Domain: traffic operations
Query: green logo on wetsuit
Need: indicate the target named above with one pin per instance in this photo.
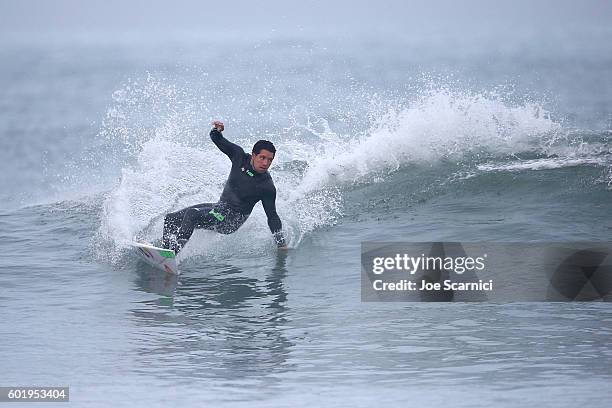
(249, 173)
(218, 216)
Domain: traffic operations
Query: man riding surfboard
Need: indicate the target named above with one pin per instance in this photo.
(247, 183)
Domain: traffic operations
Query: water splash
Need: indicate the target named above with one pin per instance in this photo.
(440, 125)
(170, 164)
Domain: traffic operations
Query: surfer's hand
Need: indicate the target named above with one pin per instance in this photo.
(217, 124)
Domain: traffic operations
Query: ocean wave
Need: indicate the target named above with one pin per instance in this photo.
(453, 132)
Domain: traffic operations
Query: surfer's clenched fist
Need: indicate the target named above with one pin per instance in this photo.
(217, 124)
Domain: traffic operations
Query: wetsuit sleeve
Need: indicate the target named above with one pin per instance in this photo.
(233, 151)
(274, 222)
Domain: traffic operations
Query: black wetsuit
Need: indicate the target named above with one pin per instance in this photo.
(243, 189)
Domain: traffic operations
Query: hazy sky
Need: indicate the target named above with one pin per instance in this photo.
(155, 15)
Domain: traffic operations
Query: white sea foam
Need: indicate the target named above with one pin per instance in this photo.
(439, 125)
(165, 175)
(545, 164)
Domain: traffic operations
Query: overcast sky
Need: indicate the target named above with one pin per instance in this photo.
(154, 15)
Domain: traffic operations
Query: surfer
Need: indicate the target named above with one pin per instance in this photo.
(248, 183)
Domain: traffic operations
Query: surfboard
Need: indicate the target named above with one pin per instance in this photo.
(160, 258)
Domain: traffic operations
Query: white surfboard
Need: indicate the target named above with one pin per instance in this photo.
(160, 258)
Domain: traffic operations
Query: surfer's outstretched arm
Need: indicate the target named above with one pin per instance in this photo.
(274, 222)
(233, 151)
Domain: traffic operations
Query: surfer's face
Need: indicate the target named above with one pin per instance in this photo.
(262, 160)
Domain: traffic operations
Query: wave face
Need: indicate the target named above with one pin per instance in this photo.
(366, 132)
(328, 168)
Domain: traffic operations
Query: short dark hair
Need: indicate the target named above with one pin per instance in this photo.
(264, 144)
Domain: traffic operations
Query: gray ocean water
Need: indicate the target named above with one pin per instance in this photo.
(381, 136)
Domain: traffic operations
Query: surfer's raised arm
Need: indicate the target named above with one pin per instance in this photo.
(233, 151)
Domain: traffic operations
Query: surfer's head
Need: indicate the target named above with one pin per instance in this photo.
(263, 154)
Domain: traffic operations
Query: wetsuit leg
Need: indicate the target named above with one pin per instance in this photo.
(172, 224)
(179, 226)
(174, 221)
(195, 217)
